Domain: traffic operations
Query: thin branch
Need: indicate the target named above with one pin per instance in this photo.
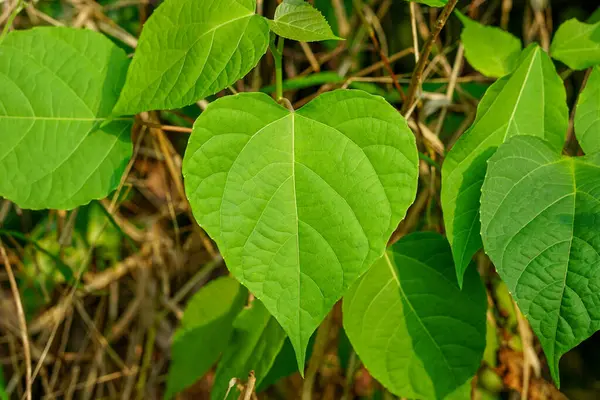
(424, 57)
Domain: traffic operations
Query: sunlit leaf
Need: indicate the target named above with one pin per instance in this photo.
(587, 116)
(577, 44)
(298, 20)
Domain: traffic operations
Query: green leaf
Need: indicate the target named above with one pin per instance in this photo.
(3, 394)
(577, 44)
(431, 3)
(490, 50)
(204, 333)
(59, 149)
(410, 323)
(587, 116)
(300, 204)
(539, 214)
(530, 101)
(192, 49)
(257, 340)
(298, 20)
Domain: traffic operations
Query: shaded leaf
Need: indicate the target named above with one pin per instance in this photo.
(490, 50)
(3, 394)
(300, 204)
(192, 49)
(399, 314)
(59, 148)
(257, 340)
(539, 223)
(298, 20)
(432, 3)
(577, 44)
(587, 116)
(204, 333)
(530, 101)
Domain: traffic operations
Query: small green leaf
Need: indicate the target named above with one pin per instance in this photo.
(410, 323)
(530, 101)
(300, 203)
(298, 20)
(587, 116)
(59, 147)
(490, 50)
(192, 49)
(3, 394)
(204, 333)
(539, 223)
(577, 44)
(257, 340)
(431, 3)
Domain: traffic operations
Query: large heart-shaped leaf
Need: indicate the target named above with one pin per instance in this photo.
(490, 50)
(577, 44)
(398, 317)
(300, 203)
(204, 333)
(587, 116)
(531, 101)
(257, 340)
(191, 49)
(539, 223)
(298, 20)
(59, 85)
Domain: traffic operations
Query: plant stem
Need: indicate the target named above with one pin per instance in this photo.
(278, 57)
(319, 348)
(18, 7)
(424, 57)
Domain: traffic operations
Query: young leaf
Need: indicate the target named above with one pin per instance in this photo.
(300, 203)
(257, 340)
(577, 44)
(298, 20)
(192, 49)
(531, 101)
(539, 214)
(59, 148)
(587, 116)
(490, 50)
(204, 333)
(432, 3)
(399, 314)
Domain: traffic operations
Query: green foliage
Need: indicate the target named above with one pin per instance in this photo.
(298, 20)
(410, 323)
(432, 3)
(300, 203)
(490, 50)
(531, 101)
(204, 333)
(577, 44)
(256, 342)
(59, 147)
(587, 116)
(191, 49)
(3, 394)
(538, 213)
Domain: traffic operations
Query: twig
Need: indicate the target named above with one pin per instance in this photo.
(424, 57)
(413, 23)
(316, 359)
(310, 56)
(22, 323)
(250, 386)
(506, 7)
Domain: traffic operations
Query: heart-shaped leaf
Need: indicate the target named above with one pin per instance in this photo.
(204, 333)
(59, 148)
(298, 20)
(539, 223)
(399, 314)
(577, 44)
(490, 50)
(191, 49)
(300, 203)
(587, 116)
(257, 340)
(530, 101)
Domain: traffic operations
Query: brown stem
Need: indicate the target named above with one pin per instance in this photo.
(424, 57)
(316, 359)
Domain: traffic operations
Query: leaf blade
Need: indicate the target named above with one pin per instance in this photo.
(298, 20)
(398, 315)
(300, 203)
(587, 116)
(175, 63)
(61, 148)
(545, 204)
(577, 44)
(534, 83)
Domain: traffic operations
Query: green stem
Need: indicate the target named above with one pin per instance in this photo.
(278, 57)
(20, 5)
